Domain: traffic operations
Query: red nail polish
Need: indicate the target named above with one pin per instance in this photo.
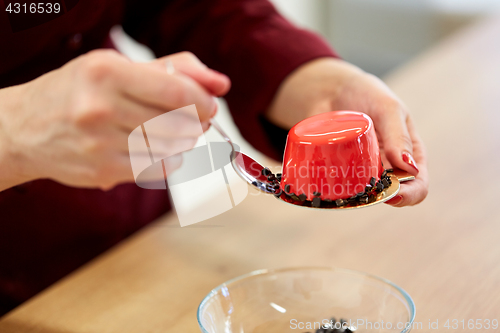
(408, 159)
(396, 200)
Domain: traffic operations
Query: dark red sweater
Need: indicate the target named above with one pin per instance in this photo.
(48, 229)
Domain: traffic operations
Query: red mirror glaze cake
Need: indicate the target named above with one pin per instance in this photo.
(332, 156)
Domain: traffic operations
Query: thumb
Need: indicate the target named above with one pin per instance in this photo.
(392, 129)
(187, 63)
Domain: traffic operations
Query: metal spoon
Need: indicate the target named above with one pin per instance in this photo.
(251, 171)
(246, 167)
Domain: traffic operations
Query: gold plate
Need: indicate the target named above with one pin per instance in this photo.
(397, 176)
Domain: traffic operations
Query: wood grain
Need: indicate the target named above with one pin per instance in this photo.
(444, 252)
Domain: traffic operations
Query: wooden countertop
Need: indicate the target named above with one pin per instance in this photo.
(444, 252)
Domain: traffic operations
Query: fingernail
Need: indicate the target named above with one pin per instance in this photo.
(396, 200)
(408, 159)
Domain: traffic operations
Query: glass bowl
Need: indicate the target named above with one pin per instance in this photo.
(304, 300)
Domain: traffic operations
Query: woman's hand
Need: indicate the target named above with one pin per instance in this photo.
(329, 84)
(72, 124)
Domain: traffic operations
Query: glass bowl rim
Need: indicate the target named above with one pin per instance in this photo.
(406, 296)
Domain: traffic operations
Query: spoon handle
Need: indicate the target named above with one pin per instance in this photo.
(221, 132)
(246, 167)
(232, 156)
(402, 175)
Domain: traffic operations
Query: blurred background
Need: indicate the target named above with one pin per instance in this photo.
(376, 35)
(380, 35)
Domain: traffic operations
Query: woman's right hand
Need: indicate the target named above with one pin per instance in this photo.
(72, 124)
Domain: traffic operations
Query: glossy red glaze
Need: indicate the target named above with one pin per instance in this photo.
(334, 153)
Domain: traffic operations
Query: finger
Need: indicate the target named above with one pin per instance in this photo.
(157, 122)
(415, 191)
(188, 64)
(411, 193)
(161, 148)
(392, 129)
(114, 140)
(153, 87)
(383, 157)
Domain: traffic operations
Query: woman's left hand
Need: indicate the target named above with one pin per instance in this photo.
(328, 84)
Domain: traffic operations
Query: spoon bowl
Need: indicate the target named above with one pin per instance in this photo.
(246, 167)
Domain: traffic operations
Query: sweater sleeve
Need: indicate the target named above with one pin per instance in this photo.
(248, 40)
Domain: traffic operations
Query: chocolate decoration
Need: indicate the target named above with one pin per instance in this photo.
(266, 172)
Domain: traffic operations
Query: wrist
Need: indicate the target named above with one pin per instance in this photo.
(13, 167)
(311, 89)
